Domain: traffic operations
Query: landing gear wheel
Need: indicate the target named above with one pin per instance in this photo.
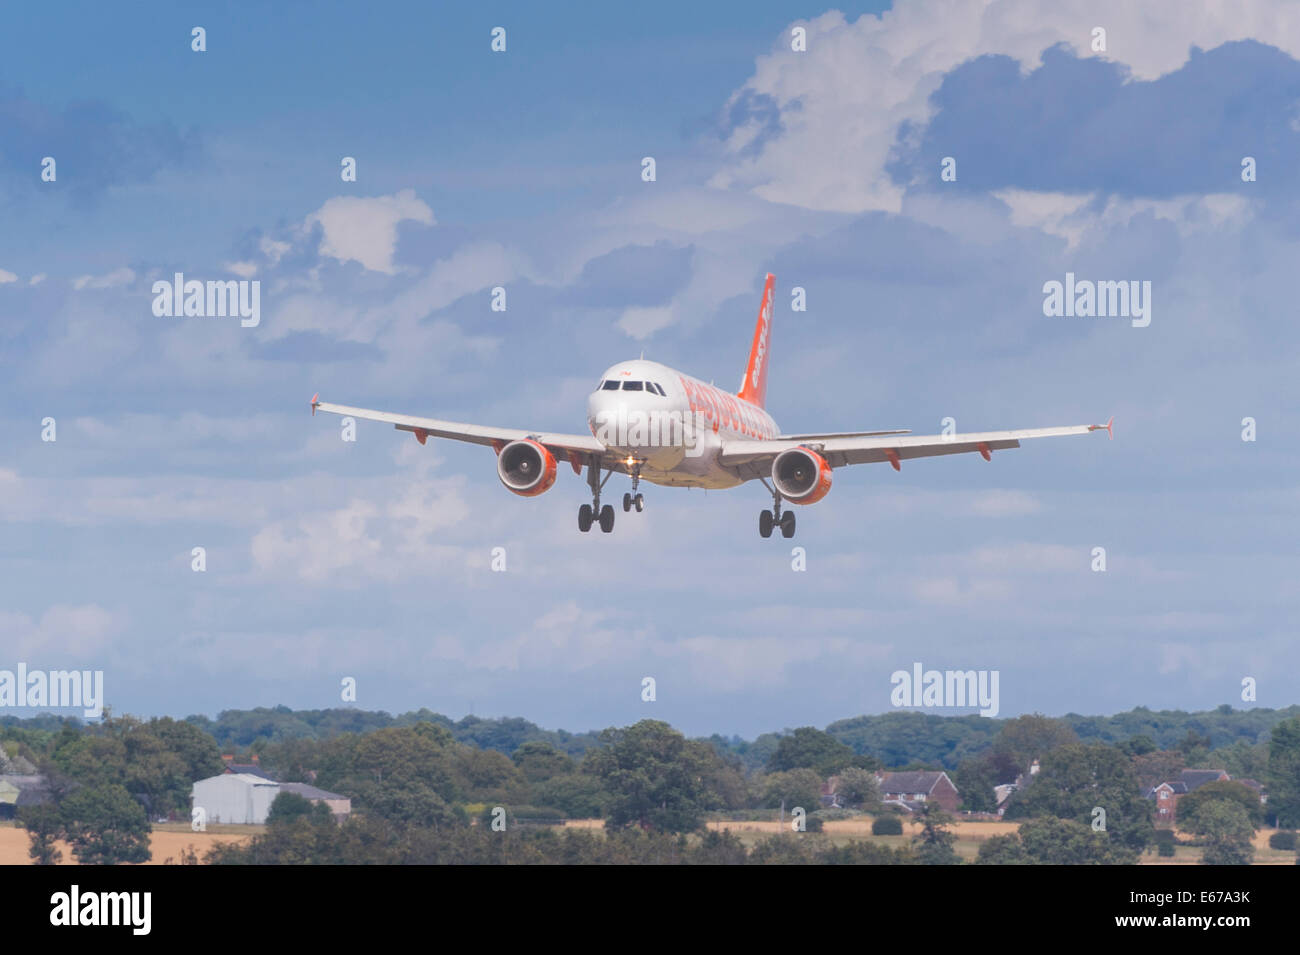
(639, 503)
(607, 518)
(787, 524)
(627, 503)
(764, 523)
(584, 518)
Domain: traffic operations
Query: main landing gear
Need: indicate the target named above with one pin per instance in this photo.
(774, 518)
(593, 512)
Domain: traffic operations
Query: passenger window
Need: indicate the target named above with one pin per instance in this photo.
(610, 386)
(631, 386)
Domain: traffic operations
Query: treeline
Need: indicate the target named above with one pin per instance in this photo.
(253, 729)
(897, 739)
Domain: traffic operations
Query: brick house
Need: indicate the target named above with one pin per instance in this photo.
(1167, 794)
(910, 789)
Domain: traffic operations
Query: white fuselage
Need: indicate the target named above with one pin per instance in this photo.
(677, 434)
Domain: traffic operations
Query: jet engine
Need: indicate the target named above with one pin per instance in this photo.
(526, 468)
(801, 475)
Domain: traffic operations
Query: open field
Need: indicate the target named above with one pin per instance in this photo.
(970, 836)
(167, 841)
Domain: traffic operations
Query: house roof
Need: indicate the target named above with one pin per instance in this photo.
(1254, 784)
(921, 781)
(309, 792)
(1195, 778)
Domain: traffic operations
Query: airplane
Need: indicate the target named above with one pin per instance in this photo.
(654, 423)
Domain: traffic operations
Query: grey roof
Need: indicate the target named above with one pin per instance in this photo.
(910, 782)
(308, 792)
(1195, 778)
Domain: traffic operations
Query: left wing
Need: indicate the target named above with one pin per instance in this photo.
(576, 448)
(752, 459)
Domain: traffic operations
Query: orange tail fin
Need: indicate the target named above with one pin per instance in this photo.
(754, 388)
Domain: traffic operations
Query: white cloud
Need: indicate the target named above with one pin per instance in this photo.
(36, 279)
(63, 637)
(114, 279)
(364, 230)
(858, 82)
(7, 277)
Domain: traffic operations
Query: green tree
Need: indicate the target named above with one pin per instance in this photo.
(655, 777)
(540, 761)
(858, 788)
(44, 824)
(1191, 805)
(1002, 850)
(105, 826)
(1284, 773)
(1048, 841)
(1026, 738)
(975, 779)
(1158, 766)
(1228, 833)
(1078, 777)
(796, 787)
(577, 795)
(934, 843)
(288, 806)
(811, 748)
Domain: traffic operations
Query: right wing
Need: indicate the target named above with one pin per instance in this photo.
(751, 459)
(577, 449)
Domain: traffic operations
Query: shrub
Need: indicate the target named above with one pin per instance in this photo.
(1282, 840)
(889, 825)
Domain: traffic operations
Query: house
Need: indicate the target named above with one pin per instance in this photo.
(340, 806)
(19, 790)
(1167, 794)
(910, 790)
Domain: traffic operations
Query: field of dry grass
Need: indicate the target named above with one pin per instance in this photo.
(167, 841)
(170, 839)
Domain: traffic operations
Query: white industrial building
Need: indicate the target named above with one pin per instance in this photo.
(242, 798)
(234, 798)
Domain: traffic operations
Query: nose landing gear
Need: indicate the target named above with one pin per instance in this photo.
(634, 499)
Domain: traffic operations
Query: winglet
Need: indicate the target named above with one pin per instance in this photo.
(1108, 427)
(314, 403)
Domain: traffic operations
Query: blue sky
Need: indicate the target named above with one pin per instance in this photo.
(371, 560)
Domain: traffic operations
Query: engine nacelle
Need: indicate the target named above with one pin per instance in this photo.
(801, 475)
(526, 468)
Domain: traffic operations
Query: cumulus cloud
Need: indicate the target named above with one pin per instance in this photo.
(7, 277)
(833, 114)
(365, 229)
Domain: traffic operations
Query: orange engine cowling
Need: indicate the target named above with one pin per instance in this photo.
(801, 475)
(526, 468)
